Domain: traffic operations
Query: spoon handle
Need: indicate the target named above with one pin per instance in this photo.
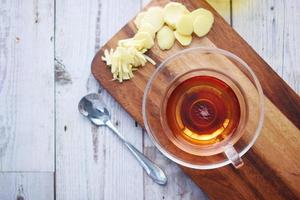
(151, 169)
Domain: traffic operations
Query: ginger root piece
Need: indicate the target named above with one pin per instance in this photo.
(131, 42)
(203, 23)
(199, 11)
(138, 18)
(172, 12)
(146, 27)
(184, 25)
(148, 41)
(155, 17)
(165, 38)
(184, 40)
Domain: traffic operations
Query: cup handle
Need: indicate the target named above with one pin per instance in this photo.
(233, 156)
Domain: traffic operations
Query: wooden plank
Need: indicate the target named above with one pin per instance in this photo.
(267, 38)
(91, 162)
(26, 186)
(26, 86)
(291, 52)
(255, 179)
(274, 37)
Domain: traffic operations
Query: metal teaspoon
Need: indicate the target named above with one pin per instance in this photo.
(93, 107)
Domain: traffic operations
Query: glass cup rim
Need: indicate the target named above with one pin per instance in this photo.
(204, 50)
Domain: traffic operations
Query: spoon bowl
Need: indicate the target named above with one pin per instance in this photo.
(94, 108)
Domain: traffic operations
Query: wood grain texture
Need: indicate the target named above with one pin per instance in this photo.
(254, 180)
(291, 58)
(274, 37)
(26, 86)
(268, 36)
(91, 162)
(27, 186)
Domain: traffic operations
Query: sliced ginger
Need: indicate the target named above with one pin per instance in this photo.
(184, 40)
(184, 25)
(203, 23)
(146, 27)
(199, 11)
(146, 38)
(177, 17)
(131, 42)
(165, 38)
(172, 13)
(138, 19)
(155, 17)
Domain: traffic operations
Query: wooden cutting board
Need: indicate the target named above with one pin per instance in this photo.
(272, 166)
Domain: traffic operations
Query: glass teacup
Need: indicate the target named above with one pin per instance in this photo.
(200, 146)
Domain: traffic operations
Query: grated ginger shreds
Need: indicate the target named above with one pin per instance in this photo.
(128, 57)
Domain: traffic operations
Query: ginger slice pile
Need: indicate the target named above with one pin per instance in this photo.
(173, 22)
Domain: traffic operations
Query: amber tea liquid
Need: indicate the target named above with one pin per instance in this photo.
(202, 110)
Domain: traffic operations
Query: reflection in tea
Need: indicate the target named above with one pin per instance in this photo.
(202, 110)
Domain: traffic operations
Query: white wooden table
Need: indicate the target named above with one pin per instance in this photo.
(47, 149)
